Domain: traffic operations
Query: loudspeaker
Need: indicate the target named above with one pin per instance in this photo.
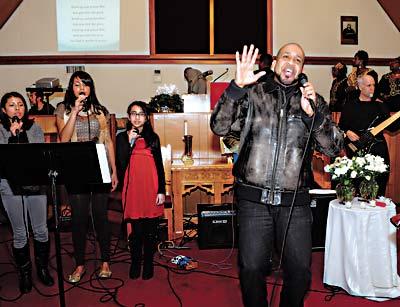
(319, 209)
(217, 226)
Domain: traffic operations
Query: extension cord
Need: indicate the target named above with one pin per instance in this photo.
(171, 245)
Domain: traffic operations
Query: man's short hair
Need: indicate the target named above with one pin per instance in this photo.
(362, 55)
(266, 59)
(39, 94)
(360, 80)
(288, 44)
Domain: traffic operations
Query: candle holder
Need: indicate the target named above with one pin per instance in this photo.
(187, 157)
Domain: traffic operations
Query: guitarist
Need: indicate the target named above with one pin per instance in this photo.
(361, 114)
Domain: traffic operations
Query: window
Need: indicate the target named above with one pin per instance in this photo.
(209, 26)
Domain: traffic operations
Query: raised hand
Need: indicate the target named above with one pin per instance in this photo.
(244, 67)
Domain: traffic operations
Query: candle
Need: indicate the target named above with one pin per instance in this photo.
(185, 127)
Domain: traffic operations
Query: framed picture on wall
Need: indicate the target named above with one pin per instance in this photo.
(349, 30)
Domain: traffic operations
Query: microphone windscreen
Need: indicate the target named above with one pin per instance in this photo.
(302, 79)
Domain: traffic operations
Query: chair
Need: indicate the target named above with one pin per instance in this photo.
(48, 123)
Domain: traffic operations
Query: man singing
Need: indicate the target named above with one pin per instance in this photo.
(276, 118)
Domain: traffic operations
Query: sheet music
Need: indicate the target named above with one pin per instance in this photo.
(105, 170)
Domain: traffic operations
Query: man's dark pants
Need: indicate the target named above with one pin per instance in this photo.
(259, 224)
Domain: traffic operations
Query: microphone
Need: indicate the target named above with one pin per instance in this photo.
(224, 73)
(15, 119)
(303, 80)
(85, 103)
(206, 73)
(133, 140)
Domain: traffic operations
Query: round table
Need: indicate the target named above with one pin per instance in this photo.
(360, 250)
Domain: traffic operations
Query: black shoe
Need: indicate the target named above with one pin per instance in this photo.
(25, 278)
(148, 269)
(134, 270)
(135, 248)
(42, 262)
(24, 265)
(44, 275)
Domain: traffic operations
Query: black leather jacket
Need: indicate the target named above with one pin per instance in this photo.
(273, 134)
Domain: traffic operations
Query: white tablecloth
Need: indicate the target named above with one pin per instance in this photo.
(360, 250)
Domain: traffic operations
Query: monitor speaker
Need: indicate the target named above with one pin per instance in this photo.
(217, 226)
(319, 209)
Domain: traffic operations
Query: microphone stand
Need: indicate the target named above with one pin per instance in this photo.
(224, 73)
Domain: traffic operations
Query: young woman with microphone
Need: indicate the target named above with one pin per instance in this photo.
(80, 118)
(23, 202)
(141, 173)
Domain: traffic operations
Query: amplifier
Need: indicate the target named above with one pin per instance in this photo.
(217, 226)
(319, 209)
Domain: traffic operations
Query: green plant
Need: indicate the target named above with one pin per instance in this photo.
(166, 99)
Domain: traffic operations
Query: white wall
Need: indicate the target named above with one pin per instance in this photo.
(315, 24)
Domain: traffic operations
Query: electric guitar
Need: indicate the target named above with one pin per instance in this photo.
(367, 139)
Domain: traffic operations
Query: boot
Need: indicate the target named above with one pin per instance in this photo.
(42, 250)
(135, 248)
(24, 266)
(149, 250)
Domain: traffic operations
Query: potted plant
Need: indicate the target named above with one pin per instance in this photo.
(166, 99)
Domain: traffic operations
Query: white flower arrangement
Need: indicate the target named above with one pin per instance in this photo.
(344, 169)
(167, 89)
(371, 165)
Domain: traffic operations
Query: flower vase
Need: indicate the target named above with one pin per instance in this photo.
(369, 189)
(187, 157)
(345, 193)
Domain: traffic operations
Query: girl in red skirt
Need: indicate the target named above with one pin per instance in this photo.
(140, 167)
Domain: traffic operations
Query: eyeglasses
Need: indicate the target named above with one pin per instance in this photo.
(140, 114)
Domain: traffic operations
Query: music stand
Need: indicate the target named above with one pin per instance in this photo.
(48, 163)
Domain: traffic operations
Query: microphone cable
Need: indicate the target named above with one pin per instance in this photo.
(111, 295)
(127, 170)
(108, 294)
(291, 212)
(24, 209)
(88, 122)
(13, 120)
(25, 218)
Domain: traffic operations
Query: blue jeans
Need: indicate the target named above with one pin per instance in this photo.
(260, 226)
